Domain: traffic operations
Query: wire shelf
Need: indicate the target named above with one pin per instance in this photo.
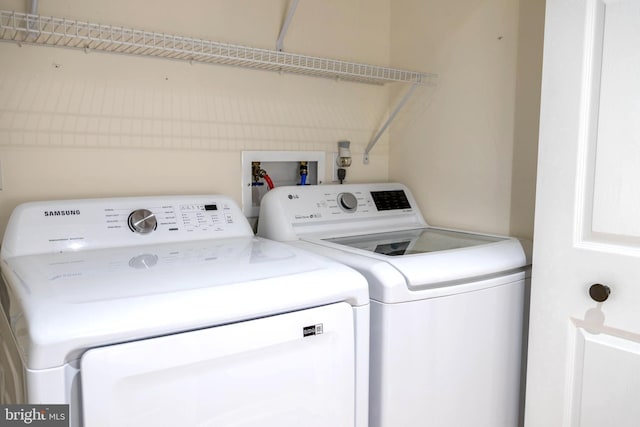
(43, 30)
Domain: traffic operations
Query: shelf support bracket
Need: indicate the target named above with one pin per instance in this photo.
(287, 21)
(31, 24)
(386, 124)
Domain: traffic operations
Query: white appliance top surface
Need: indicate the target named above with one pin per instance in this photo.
(381, 224)
(418, 241)
(61, 303)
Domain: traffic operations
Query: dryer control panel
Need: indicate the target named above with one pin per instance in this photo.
(72, 225)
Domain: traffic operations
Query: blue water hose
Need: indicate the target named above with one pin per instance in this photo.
(304, 170)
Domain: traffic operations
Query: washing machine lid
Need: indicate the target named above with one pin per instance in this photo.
(417, 241)
(432, 257)
(58, 305)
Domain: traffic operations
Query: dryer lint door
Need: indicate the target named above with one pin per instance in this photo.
(295, 369)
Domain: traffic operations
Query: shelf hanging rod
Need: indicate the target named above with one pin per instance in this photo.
(386, 124)
(285, 26)
(34, 7)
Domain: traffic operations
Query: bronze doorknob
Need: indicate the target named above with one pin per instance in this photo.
(599, 292)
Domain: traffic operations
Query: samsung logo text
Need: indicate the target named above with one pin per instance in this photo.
(62, 213)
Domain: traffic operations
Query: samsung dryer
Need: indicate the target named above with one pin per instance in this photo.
(167, 311)
(447, 306)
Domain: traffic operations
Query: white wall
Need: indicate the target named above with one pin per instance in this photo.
(467, 147)
(75, 124)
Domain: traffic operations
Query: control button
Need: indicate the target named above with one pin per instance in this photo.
(348, 202)
(142, 221)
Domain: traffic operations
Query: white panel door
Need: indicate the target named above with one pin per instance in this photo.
(584, 351)
(259, 373)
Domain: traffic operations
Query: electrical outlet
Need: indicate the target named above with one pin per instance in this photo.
(282, 168)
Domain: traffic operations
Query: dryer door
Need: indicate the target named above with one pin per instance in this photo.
(295, 369)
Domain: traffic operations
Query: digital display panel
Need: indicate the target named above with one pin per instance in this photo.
(390, 200)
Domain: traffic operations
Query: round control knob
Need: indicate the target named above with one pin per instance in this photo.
(142, 221)
(348, 202)
(599, 292)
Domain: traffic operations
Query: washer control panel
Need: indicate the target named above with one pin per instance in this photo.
(289, 212)
(343, 202)
(71, 225)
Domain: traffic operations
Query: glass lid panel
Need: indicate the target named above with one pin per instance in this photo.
(418, 241)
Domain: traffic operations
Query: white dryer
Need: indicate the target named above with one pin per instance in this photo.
(167, 311)
(446, 306)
